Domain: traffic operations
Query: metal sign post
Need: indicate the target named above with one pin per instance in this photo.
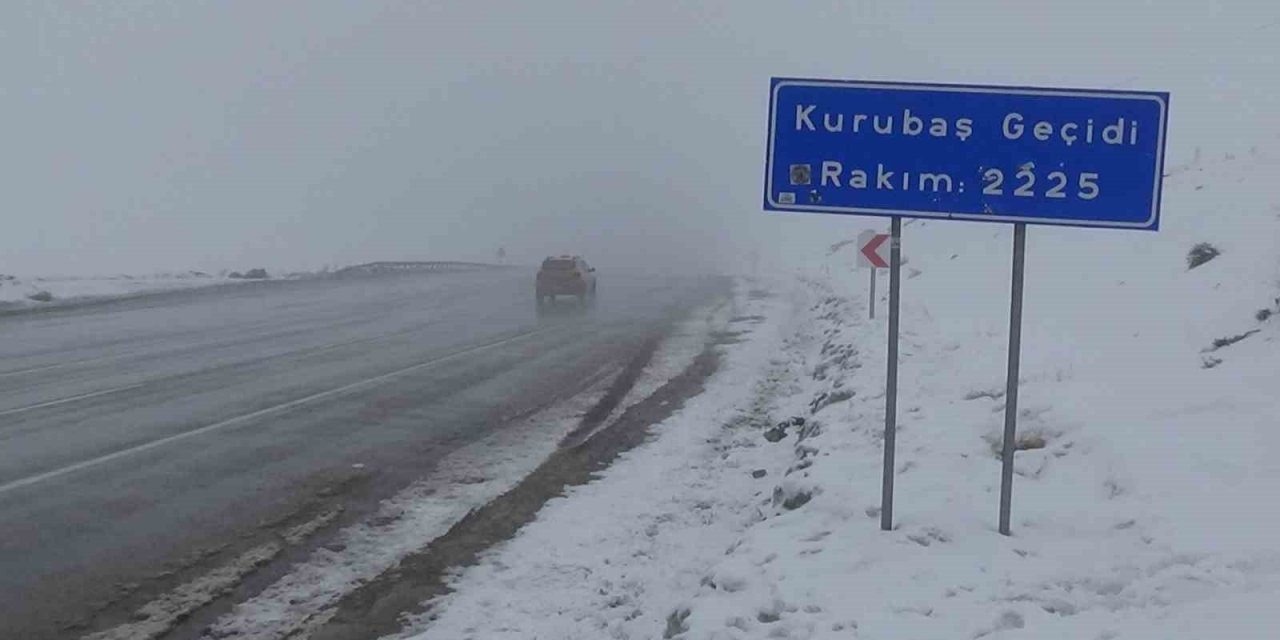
(1011, 382)
(871, 295)
(1014, 155)
(891, 379)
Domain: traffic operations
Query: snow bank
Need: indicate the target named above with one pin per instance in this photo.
(27, 291)
(1140, 501)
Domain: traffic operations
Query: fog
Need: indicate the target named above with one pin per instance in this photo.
(142, 136)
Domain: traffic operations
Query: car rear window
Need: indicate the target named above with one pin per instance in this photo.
(558, 265)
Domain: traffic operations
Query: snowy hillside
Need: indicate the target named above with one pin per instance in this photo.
(1142, 501)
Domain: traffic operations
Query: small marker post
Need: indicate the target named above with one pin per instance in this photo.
(871, 297)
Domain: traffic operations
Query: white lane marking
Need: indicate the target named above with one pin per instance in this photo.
(311, 350)
(54, 403)
(213, 345)
(50, 367)
(48, 475)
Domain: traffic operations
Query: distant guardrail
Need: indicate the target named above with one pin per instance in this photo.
(379, 268)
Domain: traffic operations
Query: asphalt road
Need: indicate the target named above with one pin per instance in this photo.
(139, 436)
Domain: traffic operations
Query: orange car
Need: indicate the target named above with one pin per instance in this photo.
(566, 276)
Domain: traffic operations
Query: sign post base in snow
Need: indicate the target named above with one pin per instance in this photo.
(1014, 155)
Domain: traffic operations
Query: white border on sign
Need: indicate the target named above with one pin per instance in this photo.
(1159, 157)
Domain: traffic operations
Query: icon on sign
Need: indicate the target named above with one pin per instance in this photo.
(787, 197)
(801, 175)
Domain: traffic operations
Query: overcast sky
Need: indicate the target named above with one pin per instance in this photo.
(143, 136)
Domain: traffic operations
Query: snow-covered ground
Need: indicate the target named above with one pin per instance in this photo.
(32, 291)
(1141, 503)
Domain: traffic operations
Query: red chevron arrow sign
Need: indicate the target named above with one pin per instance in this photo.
(870, 247)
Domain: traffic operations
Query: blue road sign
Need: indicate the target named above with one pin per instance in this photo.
(1086, 158)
